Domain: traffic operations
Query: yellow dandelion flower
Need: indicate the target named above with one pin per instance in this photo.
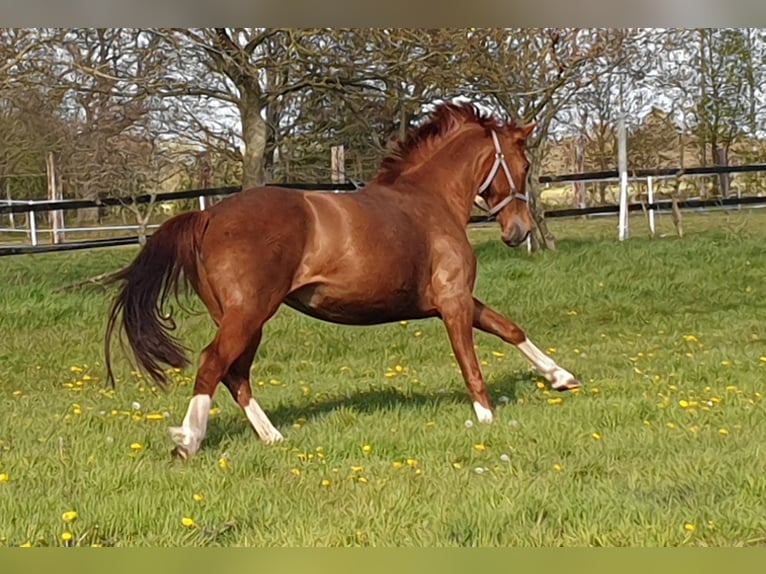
(362, 479)
(480, 447)
(555, 401)
(418, 472)
(390, 374)
(296, 471)
(670, 425)
(223, 462)
(551, 350)
(69, 516)
(197, 497)
(75, 369)
(762, 359)
(731, 388)
(155, 417)
(25, 545)
(540, 385)
(357, 468)
(326, 482)
(418, 333)
(136, 446)
(690, 338)
(557, 467)
(684, 404)
(399, 368)
(689, 527)
(412, 462)
(188, 522)
(403, 323)
(725, 363)
(4, 477)
(723, 432)
(595, 436)
(457, 465)
(66, 536)
(498, 354)
(396, 464)
(17, 393)
(367, 449)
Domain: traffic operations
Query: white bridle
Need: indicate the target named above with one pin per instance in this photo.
(514, 193)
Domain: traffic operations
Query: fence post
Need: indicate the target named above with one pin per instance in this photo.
(622, 164)
(55, 218)
(32, 225)
(337, 164)
(205, 168)
(650, 198)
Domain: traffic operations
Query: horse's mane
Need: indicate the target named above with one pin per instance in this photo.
(417, 145)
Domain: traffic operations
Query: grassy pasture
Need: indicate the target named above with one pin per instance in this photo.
(663, 446)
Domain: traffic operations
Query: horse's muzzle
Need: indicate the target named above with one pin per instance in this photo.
(516, 235)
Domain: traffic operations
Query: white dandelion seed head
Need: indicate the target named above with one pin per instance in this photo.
(505, 458)
(469, 424)
(136, 406)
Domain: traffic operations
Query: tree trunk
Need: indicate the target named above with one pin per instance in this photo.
(579, 167)
(546, 237)
(721, 157)
(254, 132)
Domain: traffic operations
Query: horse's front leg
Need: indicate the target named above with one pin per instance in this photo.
(490, 321)
(458, 319)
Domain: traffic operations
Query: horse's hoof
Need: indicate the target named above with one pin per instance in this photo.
(179, 452)
(569, 385)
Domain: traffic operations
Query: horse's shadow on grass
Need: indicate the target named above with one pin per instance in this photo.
(505, 390)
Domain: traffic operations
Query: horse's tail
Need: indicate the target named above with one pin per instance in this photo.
(146, 284)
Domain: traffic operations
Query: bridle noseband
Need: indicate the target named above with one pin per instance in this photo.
(514, 193)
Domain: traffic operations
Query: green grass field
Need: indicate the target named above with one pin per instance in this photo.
(663, 445)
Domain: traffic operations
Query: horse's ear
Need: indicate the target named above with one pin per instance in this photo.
(526, 130)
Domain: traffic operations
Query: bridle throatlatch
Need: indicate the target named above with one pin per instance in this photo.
(514, 193)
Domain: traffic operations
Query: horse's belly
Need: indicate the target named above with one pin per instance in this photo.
(344, 305)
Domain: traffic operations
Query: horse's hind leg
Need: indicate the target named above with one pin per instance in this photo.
(237, 380)
(233, 338)
(491, 321)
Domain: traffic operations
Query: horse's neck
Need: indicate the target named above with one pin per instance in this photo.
(454, 183)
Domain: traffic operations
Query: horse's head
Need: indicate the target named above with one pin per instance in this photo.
(504, 190)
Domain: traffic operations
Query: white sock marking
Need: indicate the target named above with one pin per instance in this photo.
(191, 432)
(261, 423)
(557, 376)
(482, 413)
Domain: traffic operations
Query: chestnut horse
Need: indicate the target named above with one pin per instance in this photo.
(396, 249)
